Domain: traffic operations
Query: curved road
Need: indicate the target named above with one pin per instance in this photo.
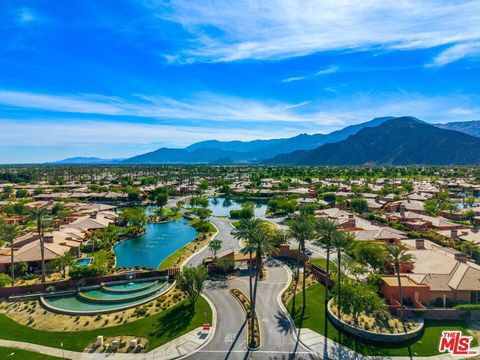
(229, 341)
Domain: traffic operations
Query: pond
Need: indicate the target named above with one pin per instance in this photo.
(158, 243)
(222, 206)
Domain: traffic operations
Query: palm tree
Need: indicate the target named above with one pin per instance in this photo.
(341, 243)
(42, 223)
(469, 247)
(327, 231)
(245, 230)
(301, 228)
(262, 245)
(8, 233)
(398, 256)
(214, 246)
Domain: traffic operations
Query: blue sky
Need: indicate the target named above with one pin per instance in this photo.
(118, 78)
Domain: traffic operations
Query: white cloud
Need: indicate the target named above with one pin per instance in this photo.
(44, 132)
(225, 31)
(26, 16)
(328, 70)
(455, 53)
(203, 106)
(293, 78)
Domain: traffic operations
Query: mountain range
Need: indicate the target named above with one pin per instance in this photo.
(384, 140)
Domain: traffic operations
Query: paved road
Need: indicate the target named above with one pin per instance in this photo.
(228, 241)
(229, 341)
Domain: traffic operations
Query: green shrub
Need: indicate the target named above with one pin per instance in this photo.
(467, 307)
(5, 280)
(81, 272)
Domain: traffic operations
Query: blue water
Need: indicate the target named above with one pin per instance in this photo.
(75, 303)
(128, 287)
(84, 261)
(151, 248)
(102, 294)
(222, 207)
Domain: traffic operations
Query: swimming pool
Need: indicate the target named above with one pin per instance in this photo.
(99, 300)
(84, 261)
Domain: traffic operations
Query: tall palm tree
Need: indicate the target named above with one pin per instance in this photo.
(262, 245)
(42, 223)
(8, 233)
(301, 228)
(340, 243)
(398, 256)
(327, 231)
(245, 229)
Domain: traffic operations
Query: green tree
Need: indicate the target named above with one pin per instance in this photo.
(4, 280)
(370, 253)
(61, 263)
(327, 232)
(261, 246)
(341, 243)
(8, 233)
(397, 256)
(21, 193)
(469, 248)
(245, 231)
(134, 217)
(470, 216)
(161, 200)
(42, 222)
(214, 246)
(359, 298)
(359, 205)
(301, 228)
(191, 280)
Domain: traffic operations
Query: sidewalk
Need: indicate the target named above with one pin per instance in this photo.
(316, 343)
(175, 349)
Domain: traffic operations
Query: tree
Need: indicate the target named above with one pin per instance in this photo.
(43, 222)
(301, 228)
(161, 200)
(398, 256)
(8, 233)
(370, 253)
(261, 245)
(341, 243)
(62, 262)
(327, 231)
(359, 205)
(245, 231)
(134, 217)
(4, 280)
(191, 280)
(203, 213)
(278, 236)
(225, 264)
(470, 216)
(359, 298)
(330, 197)
(21, 193)
(134, 195)
(469, 248)
(214, 246)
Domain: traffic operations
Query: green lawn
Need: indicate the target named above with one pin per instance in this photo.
(17, 354)
(315, 319)
(169, 261)
(322, 262)
(158, 329)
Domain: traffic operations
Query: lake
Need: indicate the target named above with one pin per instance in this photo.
(222, 206)
(158, 243)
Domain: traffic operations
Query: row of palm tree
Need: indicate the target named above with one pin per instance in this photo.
(305, 227)
(259, 243)
(9, 232)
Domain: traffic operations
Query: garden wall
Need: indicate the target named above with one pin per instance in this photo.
(73, 284)
(370, 335)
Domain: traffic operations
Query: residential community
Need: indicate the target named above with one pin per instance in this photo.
(207, 262)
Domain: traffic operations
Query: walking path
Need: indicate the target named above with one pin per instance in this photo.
(329, 349)
(175, 349)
